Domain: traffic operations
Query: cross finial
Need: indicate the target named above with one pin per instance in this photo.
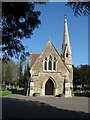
(65, 19)
(65, 15)
(50, 38)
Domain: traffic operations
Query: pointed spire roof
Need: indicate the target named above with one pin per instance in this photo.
(66, 41)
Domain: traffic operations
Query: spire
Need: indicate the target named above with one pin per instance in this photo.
(66, 41)
(66, 47)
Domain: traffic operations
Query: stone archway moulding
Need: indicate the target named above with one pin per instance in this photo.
(44, 83)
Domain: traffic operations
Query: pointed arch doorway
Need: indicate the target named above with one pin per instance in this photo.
(49, 87)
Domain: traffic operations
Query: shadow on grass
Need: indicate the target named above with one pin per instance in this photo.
(19, 108)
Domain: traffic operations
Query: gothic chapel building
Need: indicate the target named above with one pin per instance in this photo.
(51, 72)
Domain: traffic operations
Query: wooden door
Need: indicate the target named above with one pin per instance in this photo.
(49, 87)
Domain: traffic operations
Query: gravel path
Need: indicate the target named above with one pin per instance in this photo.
(18, 106)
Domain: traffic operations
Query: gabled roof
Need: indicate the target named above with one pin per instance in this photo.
(48, 46)
(48, 49)
(34, 56)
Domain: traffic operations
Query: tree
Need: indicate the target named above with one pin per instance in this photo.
(19, 19)
(79, 8)
(76, 76)
(26, 74)
(84, 74)
(8, 75)
(10, 72)
(81, 76)
(20, 75)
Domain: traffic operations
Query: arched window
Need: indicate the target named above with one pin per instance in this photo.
(50, 63)
(54, 64)
(50, 57)
(66, 54)
(45, 64)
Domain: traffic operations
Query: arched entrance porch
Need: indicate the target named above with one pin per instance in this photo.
(49, 87)
(49, 82)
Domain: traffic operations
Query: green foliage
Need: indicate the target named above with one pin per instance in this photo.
(85, 74)
(85, 94)
(9, 72)
(8, 75)
(79, 8)
(20, 75)
(81, 76)
(76, 76)
(77, 91)
(3, 87)
(26, 74)
(6, 92)
(7, 78)
(19, 19)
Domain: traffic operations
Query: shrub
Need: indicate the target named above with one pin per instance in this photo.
(3, 87)
(6, 92)
(85, 94)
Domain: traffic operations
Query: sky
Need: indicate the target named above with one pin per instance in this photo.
(52, 24)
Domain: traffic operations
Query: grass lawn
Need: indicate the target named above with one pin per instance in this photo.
(79, 93)
(4, 93)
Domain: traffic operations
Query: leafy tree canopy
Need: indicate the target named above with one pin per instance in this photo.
(10, 72)
(79, 7)
(81, 75)
(19, 19)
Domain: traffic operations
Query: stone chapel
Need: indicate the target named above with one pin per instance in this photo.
(51, 71)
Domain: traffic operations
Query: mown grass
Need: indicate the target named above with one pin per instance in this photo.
(5, 93)
(83, 94)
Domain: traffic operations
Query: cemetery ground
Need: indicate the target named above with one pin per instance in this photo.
(21, 106)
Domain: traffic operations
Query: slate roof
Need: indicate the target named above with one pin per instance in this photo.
(34, 56)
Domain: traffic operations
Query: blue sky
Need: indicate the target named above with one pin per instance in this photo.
(52, 24)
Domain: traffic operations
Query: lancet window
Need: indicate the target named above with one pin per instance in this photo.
(54, 64)
(49, 63)
(45, 64)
